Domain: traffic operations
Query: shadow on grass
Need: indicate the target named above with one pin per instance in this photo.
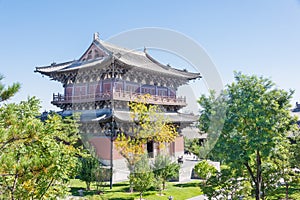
(120, 184)
(135, 195)
(184, 185)
(150, 192)
(74, 191)
(124, 189)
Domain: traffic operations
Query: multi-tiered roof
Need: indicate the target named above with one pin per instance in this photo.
(104, 53)
(104, 62)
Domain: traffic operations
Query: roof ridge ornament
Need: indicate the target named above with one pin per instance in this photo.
(96, 36)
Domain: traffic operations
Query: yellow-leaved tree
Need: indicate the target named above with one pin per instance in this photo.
(148, 124)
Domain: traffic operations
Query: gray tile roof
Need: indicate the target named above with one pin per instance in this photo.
(137, 59)
(124, 116)
(144, 61)
(191, 132)
(53, 67)
(173, 117)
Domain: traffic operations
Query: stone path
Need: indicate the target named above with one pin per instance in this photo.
(201, 197)
(186, 169)
(186, 172)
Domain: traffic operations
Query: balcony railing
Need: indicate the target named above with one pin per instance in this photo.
(117, 95)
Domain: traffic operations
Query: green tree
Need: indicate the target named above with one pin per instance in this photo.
(192, 145)
(164, 169)
(227, 184)
(88, 168)
(91, 170)
(205, 170)
(102, 175)
(158, 184)
(282, 158)
(37, 158)
(257, 120)
(142, 176)
(212, 118)
(149, 124)
(5, 94)
(295, 148)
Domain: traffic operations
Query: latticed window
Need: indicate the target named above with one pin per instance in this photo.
(69, 92)
(132, 88)
(172, 93)
(162, 92)
(106, 87)
(80, 90)
(92, 88)
(148, 90)
(118, 86)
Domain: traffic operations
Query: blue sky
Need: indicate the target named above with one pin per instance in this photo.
(255, 37)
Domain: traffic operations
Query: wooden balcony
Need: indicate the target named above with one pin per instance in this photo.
(59, 99)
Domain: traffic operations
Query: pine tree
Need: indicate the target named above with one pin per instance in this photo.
(5, 94)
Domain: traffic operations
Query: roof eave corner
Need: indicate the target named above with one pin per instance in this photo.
(41, 72)
(37, 70)
(199, 76)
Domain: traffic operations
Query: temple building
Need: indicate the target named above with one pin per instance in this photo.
(100, 84)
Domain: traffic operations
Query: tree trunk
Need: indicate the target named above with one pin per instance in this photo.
(88, 186)
(131, 188)
(286, 191)
(257, 191)
(131, 170)
(263, 190)
(164, 184)
(141, 195)
(258, 176)
(130, 183)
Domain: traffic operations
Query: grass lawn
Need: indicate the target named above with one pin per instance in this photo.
(177, 190)
(120, 191)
